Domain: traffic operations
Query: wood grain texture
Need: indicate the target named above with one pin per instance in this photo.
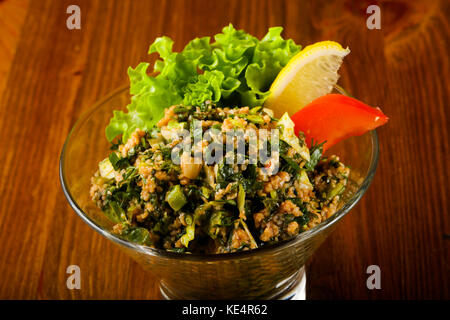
(50, 75)
(12, 17)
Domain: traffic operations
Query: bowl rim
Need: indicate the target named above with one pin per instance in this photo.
(266, 249)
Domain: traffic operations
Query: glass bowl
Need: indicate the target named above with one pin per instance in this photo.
(269, 272)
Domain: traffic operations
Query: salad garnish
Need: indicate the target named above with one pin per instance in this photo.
(232, 69)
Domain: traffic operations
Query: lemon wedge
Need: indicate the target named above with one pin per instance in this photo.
(308, 75)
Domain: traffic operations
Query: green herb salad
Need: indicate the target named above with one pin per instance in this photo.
(185, 205)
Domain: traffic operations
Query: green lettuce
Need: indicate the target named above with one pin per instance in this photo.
(236, 69)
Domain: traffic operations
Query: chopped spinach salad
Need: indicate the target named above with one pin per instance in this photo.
(190, 206)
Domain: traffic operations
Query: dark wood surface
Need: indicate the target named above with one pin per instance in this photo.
(49, 75)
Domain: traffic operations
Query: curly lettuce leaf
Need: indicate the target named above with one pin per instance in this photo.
(150, 96)
(207, 87)
(271, 54)
(236, 69)
(236, 44)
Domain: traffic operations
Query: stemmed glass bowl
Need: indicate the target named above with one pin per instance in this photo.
(269, 272)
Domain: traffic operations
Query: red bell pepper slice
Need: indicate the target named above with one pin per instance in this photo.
(335, 117)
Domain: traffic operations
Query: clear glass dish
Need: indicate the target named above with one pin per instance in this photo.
(269, 272)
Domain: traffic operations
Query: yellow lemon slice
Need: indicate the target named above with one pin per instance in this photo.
(308, 75)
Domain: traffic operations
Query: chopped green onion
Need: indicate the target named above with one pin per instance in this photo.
(214, 223)
(176, 198)
(188, 236)
(252, 240)
(304, 180)
(188, 219)
(241, 202)
(255, 119)
(273, 194)
(138, 235)
(255, 110)
(205, 192)
(335, 191)
(144, 143)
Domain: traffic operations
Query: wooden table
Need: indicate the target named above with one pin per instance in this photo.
(49, 75)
